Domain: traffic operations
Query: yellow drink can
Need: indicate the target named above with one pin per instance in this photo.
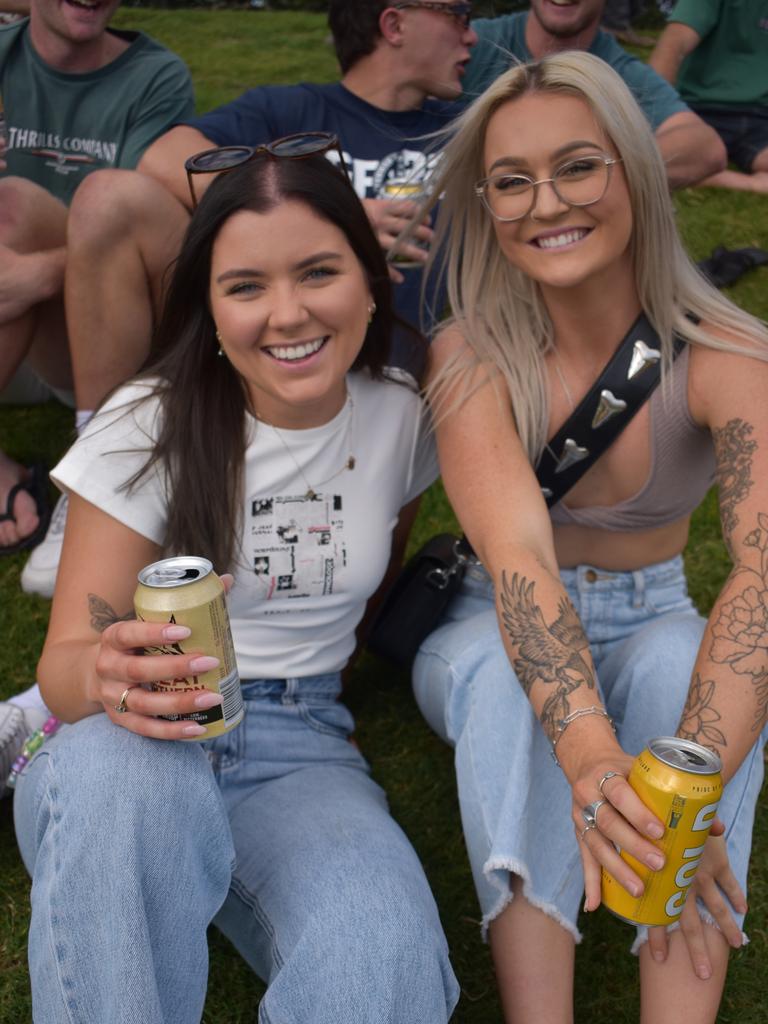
(680, 782)
(186, 591)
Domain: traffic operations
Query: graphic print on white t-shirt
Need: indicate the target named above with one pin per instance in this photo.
(298, 544)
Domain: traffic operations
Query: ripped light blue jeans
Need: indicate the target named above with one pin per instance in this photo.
(644, 635)
(275, 832)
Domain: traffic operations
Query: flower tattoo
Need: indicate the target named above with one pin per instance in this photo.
(699, 717)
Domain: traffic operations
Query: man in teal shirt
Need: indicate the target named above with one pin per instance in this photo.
(691, 149)
(716, 52)
(77, 96)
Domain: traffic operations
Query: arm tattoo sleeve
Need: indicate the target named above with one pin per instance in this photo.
(699, 718)
(103, 614)
(733, 451)
(740, 632)
(546, 653)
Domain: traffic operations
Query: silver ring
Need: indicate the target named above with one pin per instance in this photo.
(590, 825)
(608, 775)
(122, 706)
(589, 813)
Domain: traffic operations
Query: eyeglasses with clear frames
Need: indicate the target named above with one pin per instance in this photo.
(461, 11)
(290, 147)
(580, 182)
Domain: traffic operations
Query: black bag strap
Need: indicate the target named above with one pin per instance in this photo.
(625, 383)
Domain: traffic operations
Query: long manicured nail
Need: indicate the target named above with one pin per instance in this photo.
(193, 730)
(654, 831)
(176, 632)
(655, 861)
(203, 663)
(208, 700)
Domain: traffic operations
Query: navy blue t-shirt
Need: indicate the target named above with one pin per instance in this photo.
(378, 146)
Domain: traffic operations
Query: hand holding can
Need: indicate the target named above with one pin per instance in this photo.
(410, 248)
(680, 782)
(184, 592)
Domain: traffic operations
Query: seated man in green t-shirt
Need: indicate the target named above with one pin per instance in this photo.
(691, 149)
(716, 53)
(77, 97)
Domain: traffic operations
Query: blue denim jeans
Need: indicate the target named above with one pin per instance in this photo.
(515, 802)
(274, 831)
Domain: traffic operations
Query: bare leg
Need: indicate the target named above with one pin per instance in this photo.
(124, 231)
(670, 992)
(33, 228)
(757, 181)
(533, 956)
(32, 237)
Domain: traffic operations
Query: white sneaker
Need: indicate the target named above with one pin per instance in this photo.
(39, 574)
(16, 724)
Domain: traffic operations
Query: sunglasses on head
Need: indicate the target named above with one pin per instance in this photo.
(291, 147)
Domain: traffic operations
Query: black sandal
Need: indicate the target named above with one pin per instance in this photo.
(726, 266)
(35, 485)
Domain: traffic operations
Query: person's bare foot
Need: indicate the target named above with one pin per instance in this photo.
(24, 509)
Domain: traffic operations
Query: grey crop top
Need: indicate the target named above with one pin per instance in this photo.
(682, 467)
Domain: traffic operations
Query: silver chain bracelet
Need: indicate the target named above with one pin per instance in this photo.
(563, 723)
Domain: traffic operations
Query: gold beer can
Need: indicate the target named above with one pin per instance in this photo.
(680, 782)
(185, 591)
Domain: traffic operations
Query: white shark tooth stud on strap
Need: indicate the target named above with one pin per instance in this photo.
(642, 358)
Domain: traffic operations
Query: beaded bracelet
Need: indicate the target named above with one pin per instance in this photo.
(31, 745)
(563, 724)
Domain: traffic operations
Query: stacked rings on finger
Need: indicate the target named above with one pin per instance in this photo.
(122, 706)
(589, 813)
(608, 775)
(585, 830)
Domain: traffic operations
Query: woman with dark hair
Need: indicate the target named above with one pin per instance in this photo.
(268, 437)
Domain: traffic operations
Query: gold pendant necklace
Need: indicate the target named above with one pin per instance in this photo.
(349, 464)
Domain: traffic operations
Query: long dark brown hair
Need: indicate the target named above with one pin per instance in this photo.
(203, 400)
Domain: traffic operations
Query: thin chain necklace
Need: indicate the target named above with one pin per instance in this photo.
(350, 462)
(559, 372)
(564, 386)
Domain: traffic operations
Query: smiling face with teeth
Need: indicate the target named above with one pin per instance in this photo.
(71, 33)
(558, 245)
(290, 300)
(565, 18)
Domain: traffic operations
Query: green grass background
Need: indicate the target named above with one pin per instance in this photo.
(228, 51)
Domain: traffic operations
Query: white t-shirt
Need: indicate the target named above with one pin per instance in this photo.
(308, 565)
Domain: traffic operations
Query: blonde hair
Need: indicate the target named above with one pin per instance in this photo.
(499, 309)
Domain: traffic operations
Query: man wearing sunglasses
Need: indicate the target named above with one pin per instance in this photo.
(402, 66)
(691, 149)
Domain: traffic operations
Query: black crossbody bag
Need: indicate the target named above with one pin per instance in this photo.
(417, 599)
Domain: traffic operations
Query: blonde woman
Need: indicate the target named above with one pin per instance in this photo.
(559, 232)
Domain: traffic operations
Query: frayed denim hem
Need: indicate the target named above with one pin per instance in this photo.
(642, 931)
(506, 896)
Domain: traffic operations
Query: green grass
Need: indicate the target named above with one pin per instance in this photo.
(227, 51)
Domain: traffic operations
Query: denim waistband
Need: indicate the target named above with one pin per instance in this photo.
(591, 577)
(327, 685)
